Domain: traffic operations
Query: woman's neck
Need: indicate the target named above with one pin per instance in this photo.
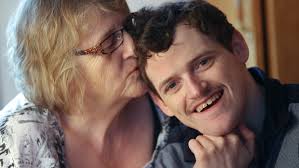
(107, 122)
(130, 132)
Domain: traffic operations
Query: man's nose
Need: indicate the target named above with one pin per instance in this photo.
(196, 87)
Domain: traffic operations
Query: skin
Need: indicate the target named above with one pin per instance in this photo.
(191, 72)
(112, 103)
(224, 151)
(196, 68)
(116, 74)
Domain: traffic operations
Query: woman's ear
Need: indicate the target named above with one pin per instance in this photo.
(239, 46)
(158, 101)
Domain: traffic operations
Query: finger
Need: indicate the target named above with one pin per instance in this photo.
(219, 141)
(233, 140)
(207, 143)
(196, 148)
(249, 138)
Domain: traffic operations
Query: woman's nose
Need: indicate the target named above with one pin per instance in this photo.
(128, 46)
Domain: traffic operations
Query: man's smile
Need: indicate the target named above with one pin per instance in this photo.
(213, 99)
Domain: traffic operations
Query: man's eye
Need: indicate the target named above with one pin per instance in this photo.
(203, 64)
(170, 86)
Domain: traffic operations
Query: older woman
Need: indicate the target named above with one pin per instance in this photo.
(78, 75)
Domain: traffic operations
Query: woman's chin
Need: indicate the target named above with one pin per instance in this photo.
(136, 90)
(139, 91)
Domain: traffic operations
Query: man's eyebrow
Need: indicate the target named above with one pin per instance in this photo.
(199, 56)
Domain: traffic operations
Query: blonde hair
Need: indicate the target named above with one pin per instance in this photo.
(41, 40)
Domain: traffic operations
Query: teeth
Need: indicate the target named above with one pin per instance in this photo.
(217, 96)
(199, 109)
(208, 102)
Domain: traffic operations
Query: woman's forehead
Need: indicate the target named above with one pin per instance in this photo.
(97, 25)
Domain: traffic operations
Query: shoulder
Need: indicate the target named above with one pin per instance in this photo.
(29, 135)
(21, 117)
(292, 92)
(289, 155)
(172, 155)
(289, 151)
(171, 145)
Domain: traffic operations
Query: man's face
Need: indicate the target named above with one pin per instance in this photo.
(200, 82)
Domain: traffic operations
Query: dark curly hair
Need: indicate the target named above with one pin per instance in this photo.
(153, 29)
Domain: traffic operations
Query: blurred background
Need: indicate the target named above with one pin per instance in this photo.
(270, 28)
(7, 88)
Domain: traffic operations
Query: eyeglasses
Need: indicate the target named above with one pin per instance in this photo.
(107, 46)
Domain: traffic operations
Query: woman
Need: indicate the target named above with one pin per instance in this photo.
(77, 71)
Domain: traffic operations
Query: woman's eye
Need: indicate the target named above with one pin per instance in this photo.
(117, 36)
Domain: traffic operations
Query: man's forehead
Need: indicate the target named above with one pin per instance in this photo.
(159, 65)
(163, 65)
(159, 62)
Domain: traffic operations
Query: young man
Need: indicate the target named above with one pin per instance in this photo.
(193, 60)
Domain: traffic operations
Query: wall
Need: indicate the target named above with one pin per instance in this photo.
(245, 15)
(7, 88)
(282, 39)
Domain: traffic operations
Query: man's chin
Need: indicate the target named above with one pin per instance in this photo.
(219, 131)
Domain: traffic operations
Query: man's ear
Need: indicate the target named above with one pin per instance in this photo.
(239, 46)
(158, 101)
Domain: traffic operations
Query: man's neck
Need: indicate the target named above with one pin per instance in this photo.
(254, 118)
